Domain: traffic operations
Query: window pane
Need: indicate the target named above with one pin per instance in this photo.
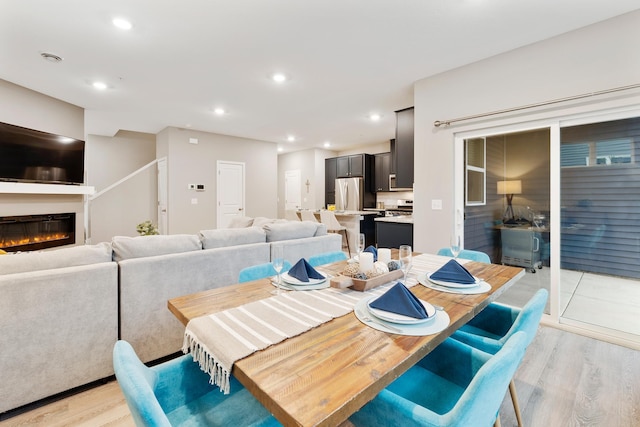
(475, 187)
(574, 155)
(475, 152)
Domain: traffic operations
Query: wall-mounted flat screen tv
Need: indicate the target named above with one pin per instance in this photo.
(28, 155)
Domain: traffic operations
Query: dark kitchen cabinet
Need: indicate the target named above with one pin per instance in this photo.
(394, 162)
(330, 175)
(382, 171)
(393, 234)
(404, 148)
(351, 166)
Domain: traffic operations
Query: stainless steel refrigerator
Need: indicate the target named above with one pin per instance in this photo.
(350, 194)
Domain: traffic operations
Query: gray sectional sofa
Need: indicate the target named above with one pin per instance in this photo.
(63, 310)
(58, 322)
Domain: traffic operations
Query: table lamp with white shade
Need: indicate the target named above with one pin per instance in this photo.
(509, 188)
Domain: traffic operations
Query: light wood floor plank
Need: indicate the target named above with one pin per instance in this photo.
(564, 380)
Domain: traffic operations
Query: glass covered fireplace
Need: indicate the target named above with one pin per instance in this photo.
(33, 232)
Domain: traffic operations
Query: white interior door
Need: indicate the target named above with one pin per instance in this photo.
(230, 192)
(162, 196)
(292, 193)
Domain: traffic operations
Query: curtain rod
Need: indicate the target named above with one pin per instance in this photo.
(439, 123)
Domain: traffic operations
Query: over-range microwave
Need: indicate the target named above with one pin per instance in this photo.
(392, 184)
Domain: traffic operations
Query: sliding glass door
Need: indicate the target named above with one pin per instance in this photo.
(509, 218)
(600, 224)
(562, 201)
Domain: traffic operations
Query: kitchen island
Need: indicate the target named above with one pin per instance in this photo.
(393, 231)
(356, 222)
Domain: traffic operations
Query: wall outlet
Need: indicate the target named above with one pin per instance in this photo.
(194, 201)
(193, 140)
(436, 205)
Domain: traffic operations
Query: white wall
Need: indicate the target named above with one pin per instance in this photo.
(310, 163)
(383, 147)
(594, 58)
(196, 164)
(26, 108)
(108, 160)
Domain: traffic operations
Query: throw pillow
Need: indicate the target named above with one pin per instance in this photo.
(240, 222)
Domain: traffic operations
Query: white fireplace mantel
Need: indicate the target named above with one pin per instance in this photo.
(32, 188)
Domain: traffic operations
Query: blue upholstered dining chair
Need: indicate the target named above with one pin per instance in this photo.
(327, 258)
(454, 385)
(490, 329)
(178, 393)
(467, 254)
(260, 271)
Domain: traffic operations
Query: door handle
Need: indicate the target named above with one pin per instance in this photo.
(240, 209)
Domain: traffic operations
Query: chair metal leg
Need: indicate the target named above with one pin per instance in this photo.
(514, 399)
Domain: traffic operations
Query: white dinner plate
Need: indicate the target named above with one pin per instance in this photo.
(293, 281)
(481, 288)
(322, 285)
(454, 285)
(399, 318)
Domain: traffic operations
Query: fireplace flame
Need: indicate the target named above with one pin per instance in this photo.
(8, 243)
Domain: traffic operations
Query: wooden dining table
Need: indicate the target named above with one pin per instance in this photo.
(322, 376)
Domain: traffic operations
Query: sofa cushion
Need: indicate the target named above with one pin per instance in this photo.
(290, 230)
(261, 221)
(145, 246)
(240, 222)
(322, 230)
(224, 237)
(59, 258)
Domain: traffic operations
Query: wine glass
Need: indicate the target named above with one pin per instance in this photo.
(404, 254)
(455, 246)
(277, 262)
(361, 243)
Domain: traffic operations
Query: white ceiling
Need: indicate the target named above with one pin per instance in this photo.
(346, 58)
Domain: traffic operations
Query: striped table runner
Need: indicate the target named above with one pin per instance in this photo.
(218, 340)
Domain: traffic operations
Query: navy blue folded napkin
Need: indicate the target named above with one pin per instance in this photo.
(303, 271)
(455, 273)
(400, 300)
(374, 251)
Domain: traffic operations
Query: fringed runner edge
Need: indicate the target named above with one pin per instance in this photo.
(219, 375)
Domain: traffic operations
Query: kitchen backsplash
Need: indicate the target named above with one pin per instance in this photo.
(390, 199)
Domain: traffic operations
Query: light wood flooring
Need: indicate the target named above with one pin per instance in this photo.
(564, 380)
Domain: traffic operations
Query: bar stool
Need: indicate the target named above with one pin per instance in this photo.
(291, 215)
(329, 219)
(308, 216)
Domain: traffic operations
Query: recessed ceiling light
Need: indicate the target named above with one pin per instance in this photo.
(374, 117)
(279, 78)
(280, 149)
(291, 138)
(123, 24)
(219, 111)
(100, 85)
(327, 144)
(51, 57)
